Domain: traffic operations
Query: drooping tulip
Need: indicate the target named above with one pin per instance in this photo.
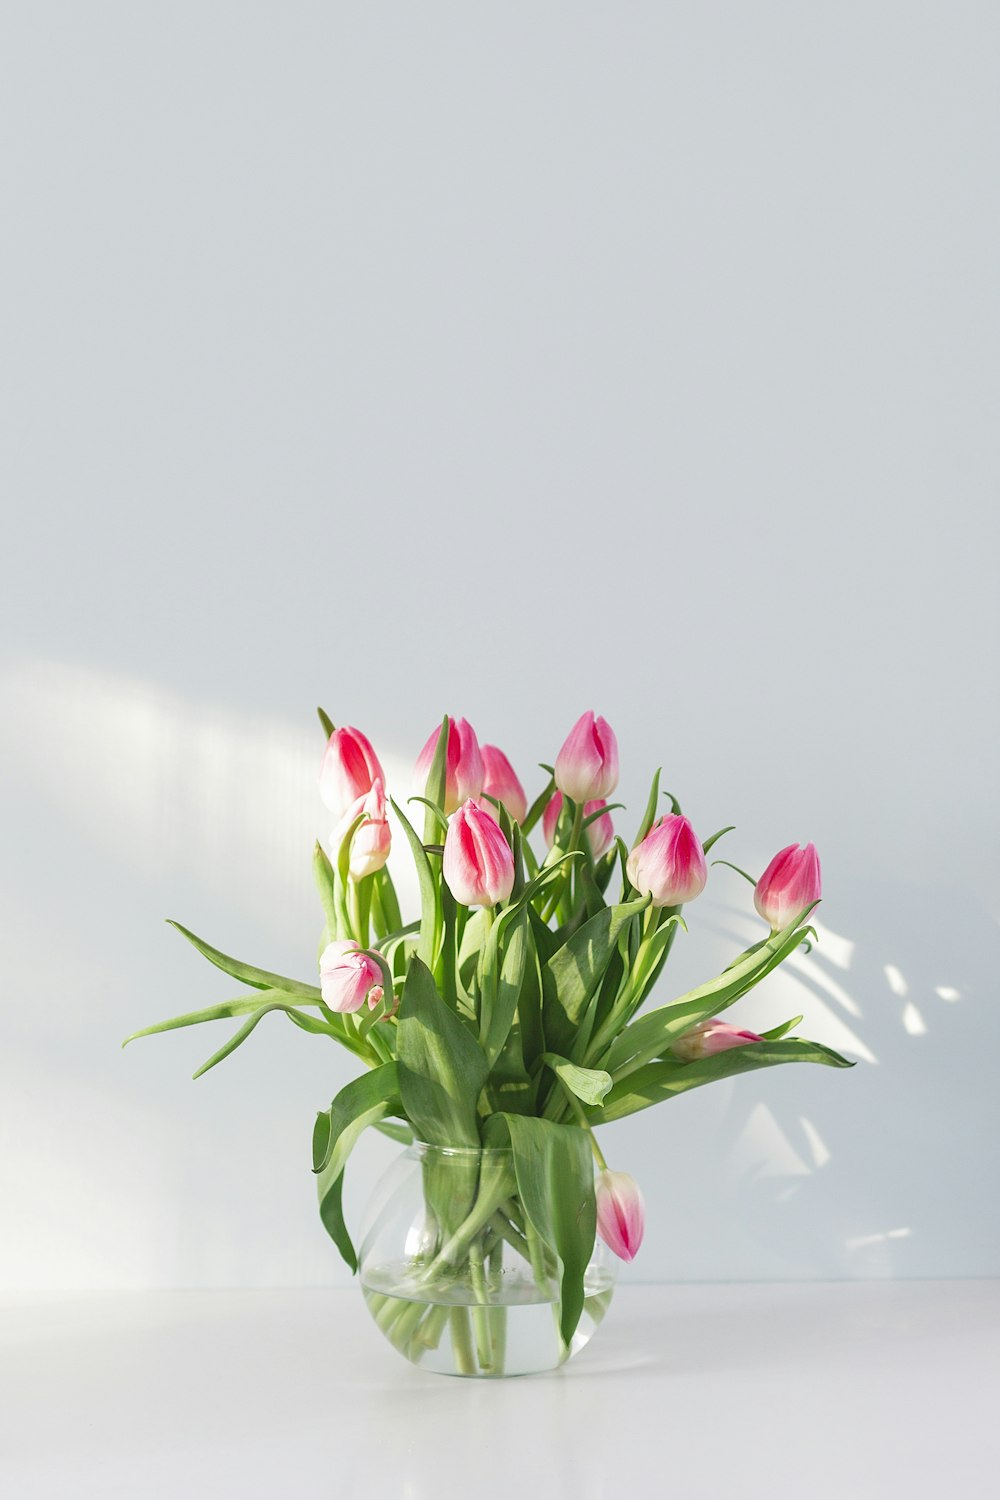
(790, 883)
(349, 977)
(669, 864)
(587, 765)
(710, 1037)
(464, 771)
(500, 781)
(621, 1213)
(349, 769)
(372, 839)
(478, 866)
(600, 833)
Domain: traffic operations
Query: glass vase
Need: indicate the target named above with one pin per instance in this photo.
(455, 1276)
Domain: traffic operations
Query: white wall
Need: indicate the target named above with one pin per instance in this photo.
(504, 360)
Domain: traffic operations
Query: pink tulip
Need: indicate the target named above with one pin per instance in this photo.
(349, 977)
(587, 764)
(478, 866)
(349, 768)
(621, 1213)
(600, 833)
(790, 883)
(500, 781)
(669, 864)
(464, 772)
(710, 1037)
(372, 838)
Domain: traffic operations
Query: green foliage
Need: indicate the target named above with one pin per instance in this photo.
(555, 1183)
(660, 1080)
(442, 1068)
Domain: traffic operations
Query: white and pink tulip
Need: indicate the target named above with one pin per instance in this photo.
(464, 770)
(621, 1213)
(587, 765)
(669, 863)
(478, 866)
(790, 883)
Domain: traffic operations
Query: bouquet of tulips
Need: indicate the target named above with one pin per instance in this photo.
(502, 1023)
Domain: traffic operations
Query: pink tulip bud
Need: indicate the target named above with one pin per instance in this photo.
(349, 977)
(464, 772)
(478, 866)
(349, 767)
(669, 864)
(500, 781)
(790, 883)
(372, 838)
(600, 833)
(710, 1037)
(621, 1213)
(587, 764)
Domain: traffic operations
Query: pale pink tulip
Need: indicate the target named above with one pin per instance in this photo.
(372, 839)
(621, 1213)
(464, 772)
(349, 977)
(790, 883)
(478, 866)
(600, 833)
(710, 1037)
(587, 765)
(349, 768)
(500, 781)
(669, 864)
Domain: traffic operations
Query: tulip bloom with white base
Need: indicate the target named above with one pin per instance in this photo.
(500, 781)
(621, 1213)
(669, 864)
(349, 977)
(600, 833)
(790, 883)
(478, 866)
(710, 1037)
(587, 765)
(349, 770)
(372, 839)
(464, 770)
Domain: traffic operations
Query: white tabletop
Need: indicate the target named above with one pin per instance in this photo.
(847, 1390)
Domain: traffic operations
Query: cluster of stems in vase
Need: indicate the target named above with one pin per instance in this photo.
(503, 1020)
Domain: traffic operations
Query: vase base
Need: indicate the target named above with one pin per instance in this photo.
(516, 1336)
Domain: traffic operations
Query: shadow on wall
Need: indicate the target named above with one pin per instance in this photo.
(800, 1173)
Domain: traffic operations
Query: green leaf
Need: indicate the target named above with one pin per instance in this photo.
(436, 810)
(577, 969)
(436, 788)
(500, 1000)
(364, 1101)
(555, 1183)
(326, 721)
(396, 1132)
(260, 979)
(430, 908)
(588, 1084)
(651, 809)
(243, 1005)
(442, 1068)
(715, 837)
(777, 1032)
(326, 885)
(652, 1034)
(730, 866)
(666, 1077)
(307, 1023)
(539, 805)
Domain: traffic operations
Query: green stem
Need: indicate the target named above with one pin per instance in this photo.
(461, 1341)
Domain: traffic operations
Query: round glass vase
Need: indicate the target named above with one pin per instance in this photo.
(455, 1276)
